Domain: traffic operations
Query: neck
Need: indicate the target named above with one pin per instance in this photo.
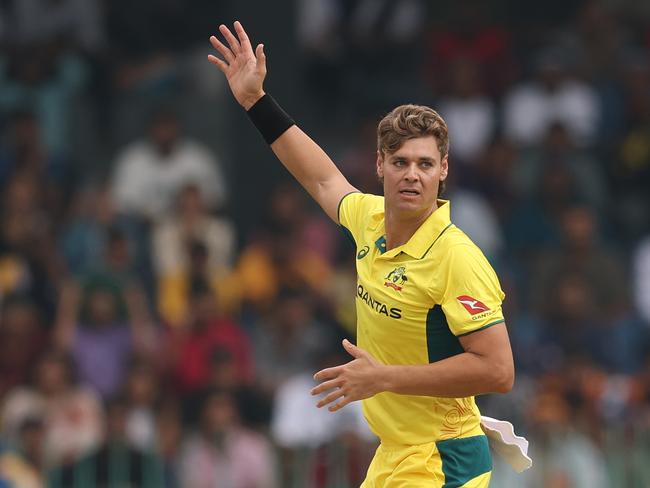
(400, 228)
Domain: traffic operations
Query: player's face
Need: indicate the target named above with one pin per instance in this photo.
(412, 175)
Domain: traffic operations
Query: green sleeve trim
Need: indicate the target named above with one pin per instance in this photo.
(496, 322)
(338, 208)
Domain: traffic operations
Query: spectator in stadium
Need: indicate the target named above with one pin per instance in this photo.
(309, 437)
(557, 149)
(629, 165)
(292, 249)
(29, 264)
(141, 394)
(493, 177)
(93, 232)
(150, 173)
(286, 340)
(115, 463)
(72, 414)
(170, 431)
(566, 455)
(473, 214)
(296, 424)
(47, 80)
(89, 326)
(23, 339)
(535, 222)
(222, 451)
(175, 246)
(581, 251)
(25, 152)
(469, 113)
(192, 345)
(530, 108)
(472, 33)
(78, 22)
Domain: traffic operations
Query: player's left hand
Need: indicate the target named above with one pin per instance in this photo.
(356, 380)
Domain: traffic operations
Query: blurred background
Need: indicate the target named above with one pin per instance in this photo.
(167, 291)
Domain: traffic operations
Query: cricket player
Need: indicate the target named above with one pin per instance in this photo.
(430, 329)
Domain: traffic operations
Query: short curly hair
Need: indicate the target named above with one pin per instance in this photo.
(409, 122)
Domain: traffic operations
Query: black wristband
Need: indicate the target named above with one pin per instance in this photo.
(269, 118)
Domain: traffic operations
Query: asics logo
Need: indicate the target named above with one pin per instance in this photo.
(363, 252)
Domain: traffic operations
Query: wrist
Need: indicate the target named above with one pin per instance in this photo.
(386, 378)
(269, 118)
(248, 102)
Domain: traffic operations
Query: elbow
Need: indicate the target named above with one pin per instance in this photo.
(504, 379)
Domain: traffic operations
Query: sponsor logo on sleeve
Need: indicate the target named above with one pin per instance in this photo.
(476, 308)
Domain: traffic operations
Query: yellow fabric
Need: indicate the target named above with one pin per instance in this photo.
(482, 481)
(412, 467)
(396, 290)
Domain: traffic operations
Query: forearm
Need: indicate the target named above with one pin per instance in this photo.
(463, 375)
(245, 71)
(306, 161)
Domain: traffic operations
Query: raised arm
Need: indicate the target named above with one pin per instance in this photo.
(245, 71)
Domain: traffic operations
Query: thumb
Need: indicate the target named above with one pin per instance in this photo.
(261, 57)
(352, 350)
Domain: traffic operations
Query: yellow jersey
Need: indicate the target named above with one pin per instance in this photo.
(413, 302)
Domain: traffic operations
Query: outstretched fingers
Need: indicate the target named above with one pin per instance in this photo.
(335, 395)
(329, 373)
(340, 405)
(219, 46)
(222, 65)
(326, 385)
(261, 57)
(235, 47)
(243, 37)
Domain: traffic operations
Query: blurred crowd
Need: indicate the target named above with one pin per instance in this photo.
(165, 299)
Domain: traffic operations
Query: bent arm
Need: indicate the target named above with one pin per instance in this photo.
(313, 169)
(245, 71)
(486, 366)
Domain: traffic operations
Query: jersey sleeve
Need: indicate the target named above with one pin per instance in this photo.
(472, 298)
(353, 207)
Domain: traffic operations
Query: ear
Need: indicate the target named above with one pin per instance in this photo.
(380, 164)
(444, 168)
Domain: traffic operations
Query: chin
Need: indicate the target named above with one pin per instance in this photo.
(410, 208)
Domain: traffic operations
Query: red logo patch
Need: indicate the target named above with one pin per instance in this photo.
(392, 285)
(472, 305)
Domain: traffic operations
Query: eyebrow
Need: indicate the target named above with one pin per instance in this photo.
(422, 158)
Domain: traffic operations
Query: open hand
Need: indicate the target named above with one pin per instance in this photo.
(245, 70)
(360, 378)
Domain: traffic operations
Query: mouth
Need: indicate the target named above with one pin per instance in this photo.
(409, 192)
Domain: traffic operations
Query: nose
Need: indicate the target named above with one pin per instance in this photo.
(411, 173)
